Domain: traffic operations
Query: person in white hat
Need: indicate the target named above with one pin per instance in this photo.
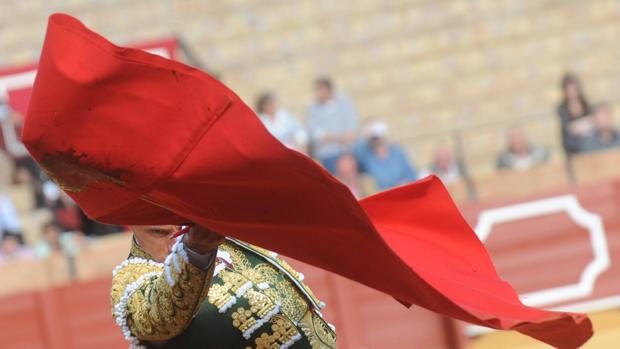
(386, 163)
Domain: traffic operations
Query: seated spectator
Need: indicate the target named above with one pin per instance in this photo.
(574, 111)
(12, 248)
(280, 123)
(604, 135)
(9, 221)
(10, 127)
(347, 171)
(445, 166)
(26, 169)
(50, 240)
(386, 163)
(520, 154)
(332, 123)
(66, 212)
(53, 240)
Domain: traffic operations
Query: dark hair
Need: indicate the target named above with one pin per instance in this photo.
(262, 100)
(324, 81)
(18, 237)
(571, 78)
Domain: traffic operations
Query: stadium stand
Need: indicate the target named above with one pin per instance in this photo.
(433, 67)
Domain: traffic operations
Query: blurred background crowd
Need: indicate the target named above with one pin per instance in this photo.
(359, 153)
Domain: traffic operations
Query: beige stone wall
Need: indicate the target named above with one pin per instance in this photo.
(427, 67)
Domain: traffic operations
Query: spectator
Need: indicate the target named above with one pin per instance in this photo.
(10, 125)
(26, 169)
(50, 240)
(604, 135)
(520, 154)
(384, 162)
(66, 212)
(280, 123)
(55, 241)
(332, 122)
(347, 171)
(445, 166)
(11, 248)
(9, 221)
(574, 111)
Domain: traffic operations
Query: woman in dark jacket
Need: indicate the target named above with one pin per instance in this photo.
(574, 111)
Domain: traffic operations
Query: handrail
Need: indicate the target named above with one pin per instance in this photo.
(527, 117)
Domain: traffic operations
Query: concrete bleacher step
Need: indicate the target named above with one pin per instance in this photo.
(23, 275)
(597, 167)
(515, 184)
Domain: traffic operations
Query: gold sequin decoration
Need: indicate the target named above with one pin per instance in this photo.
(283, 331)
(283, 291)
(243, 319)
(158, 311)
(286, 292)
(260, 304)
(318, 333)
(240, 262)
(234, 281)
(322, 329)
(219, 295)
(254, 275)
(281, 263)
(260, 307)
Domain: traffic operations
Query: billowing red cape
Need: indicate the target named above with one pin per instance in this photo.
(138, 139)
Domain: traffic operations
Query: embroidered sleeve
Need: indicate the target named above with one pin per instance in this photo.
(157, 301)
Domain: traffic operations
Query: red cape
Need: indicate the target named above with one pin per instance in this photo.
(138, 139)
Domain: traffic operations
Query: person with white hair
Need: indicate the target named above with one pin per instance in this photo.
(280, 123)
(445, 165)
(9, 134)
(24, 170)
(386, 163)
(9, 221)
(604, 135)
(520, 154)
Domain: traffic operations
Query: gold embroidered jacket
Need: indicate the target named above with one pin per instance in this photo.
(249, 298)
